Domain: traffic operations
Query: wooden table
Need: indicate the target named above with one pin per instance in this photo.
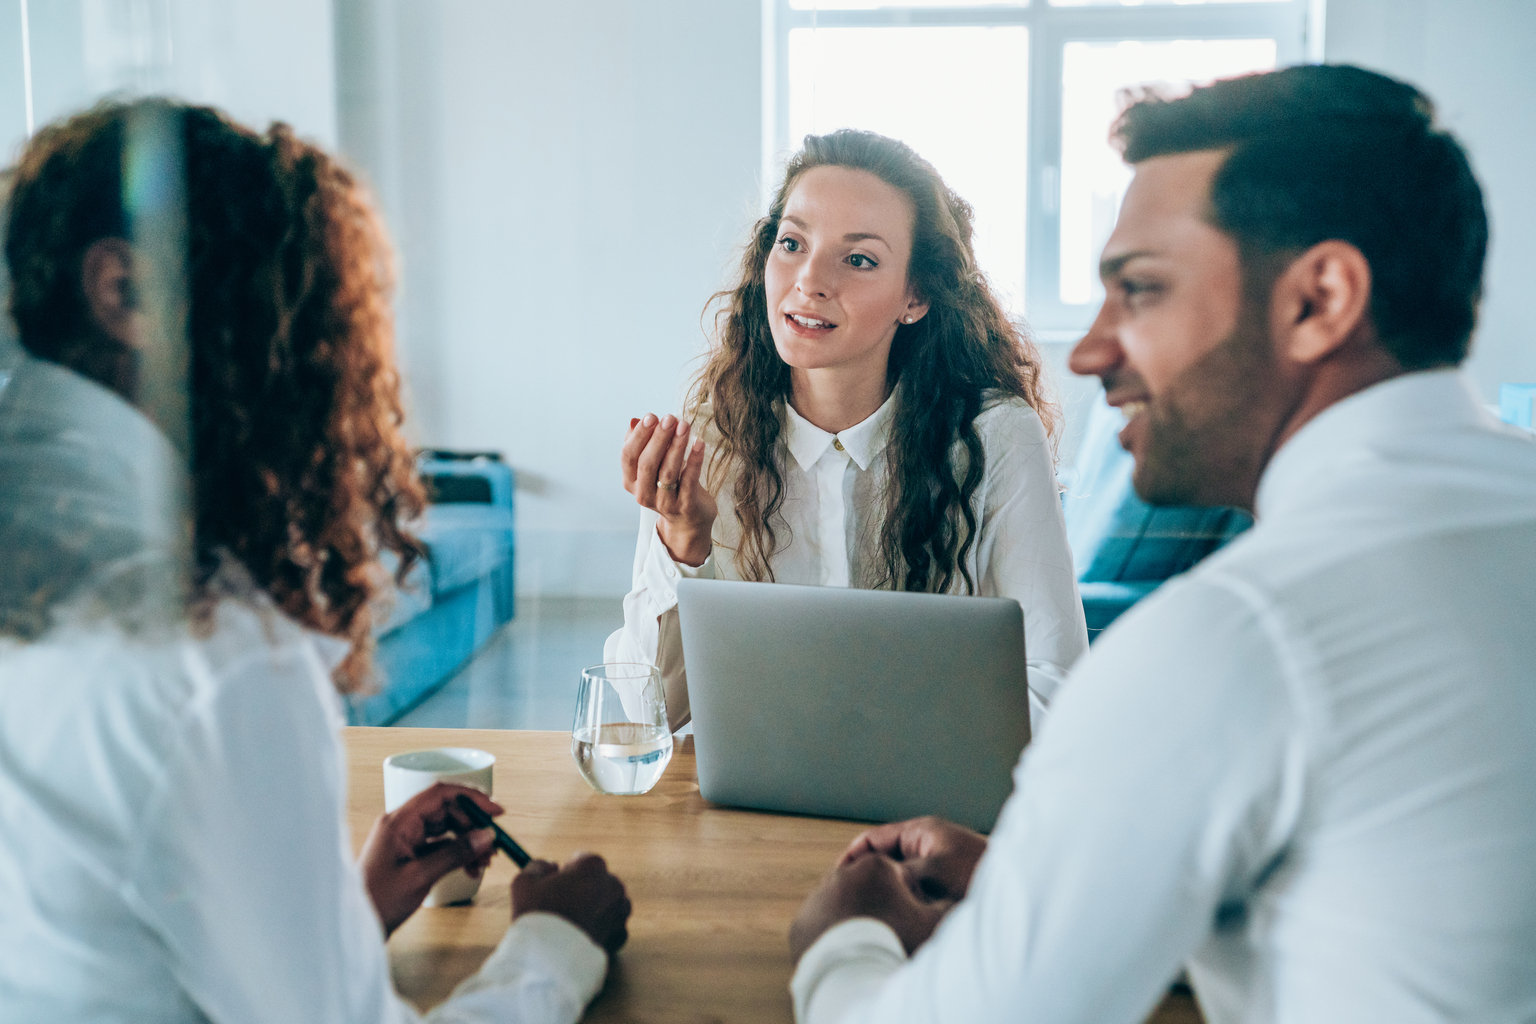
(714, 888)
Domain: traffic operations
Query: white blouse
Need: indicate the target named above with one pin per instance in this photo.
(829, 528)
(173, 839)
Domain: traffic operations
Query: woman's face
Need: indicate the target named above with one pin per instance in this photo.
(837, 276)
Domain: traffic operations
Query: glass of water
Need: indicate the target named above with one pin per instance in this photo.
(620, 740)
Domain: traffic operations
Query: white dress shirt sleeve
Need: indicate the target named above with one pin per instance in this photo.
(651, 634)
(1023, 552)
(243, 872)
(544, 969)
(1163, 789)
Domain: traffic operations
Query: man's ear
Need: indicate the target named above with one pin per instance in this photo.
(111, 297)
(1319, 301)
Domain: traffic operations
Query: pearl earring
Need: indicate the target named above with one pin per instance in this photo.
(906, 319)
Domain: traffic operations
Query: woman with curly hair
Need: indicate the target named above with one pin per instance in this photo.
(868, 417)
(181, 601)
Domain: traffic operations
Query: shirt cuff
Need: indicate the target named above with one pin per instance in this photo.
(699, 572)
(544, 951)
(848, 962)
(660, 573)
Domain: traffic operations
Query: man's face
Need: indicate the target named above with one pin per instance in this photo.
(1180, 352)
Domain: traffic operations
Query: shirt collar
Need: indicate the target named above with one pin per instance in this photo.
(862, 441)
(1420, 403)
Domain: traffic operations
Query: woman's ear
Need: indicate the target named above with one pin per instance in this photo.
(915, 311)
(111, 297)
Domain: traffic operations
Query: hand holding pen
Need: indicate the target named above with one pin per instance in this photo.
(583, 892)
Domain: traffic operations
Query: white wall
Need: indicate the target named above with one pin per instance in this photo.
(567, 182)
(1477, 60)
(259, 61)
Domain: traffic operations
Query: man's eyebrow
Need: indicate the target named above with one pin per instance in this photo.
(1112, 266)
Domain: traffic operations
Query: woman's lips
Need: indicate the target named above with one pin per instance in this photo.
(807, 326)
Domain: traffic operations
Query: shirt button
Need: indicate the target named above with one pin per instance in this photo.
(671, 571)
(837, 444)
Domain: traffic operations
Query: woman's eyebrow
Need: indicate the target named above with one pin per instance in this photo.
(852, 236)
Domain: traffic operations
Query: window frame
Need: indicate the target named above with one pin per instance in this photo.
(1295, 25)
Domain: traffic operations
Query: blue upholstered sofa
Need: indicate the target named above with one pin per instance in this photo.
(455, 598)
(1123, 547)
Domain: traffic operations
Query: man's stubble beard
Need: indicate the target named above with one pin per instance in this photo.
(1204, 444)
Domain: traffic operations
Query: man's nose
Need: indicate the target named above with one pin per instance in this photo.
(1098, 352)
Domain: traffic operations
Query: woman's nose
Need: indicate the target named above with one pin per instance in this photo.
(813, 280)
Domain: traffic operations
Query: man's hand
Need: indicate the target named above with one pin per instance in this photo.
(868, 886)
(408, 849)
(583, 892)
(938, 856)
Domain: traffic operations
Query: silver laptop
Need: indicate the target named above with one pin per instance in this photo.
(854, 703)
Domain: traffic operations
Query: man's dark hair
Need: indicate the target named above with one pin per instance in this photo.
(1321, 152)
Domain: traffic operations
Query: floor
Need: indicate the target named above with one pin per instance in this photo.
(526, 677)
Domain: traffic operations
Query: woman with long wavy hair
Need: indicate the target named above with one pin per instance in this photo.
(868, 417)
(179, 609)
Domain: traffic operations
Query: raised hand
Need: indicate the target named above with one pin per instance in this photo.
(937, 856)
(583, 892)
(409, 849)
(662, 469)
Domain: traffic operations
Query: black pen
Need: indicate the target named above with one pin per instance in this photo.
(480, 819)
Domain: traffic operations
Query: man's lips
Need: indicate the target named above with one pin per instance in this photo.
(1132, 412)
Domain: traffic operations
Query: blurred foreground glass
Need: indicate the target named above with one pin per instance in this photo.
(961, 99)
(1093, 177)
(620, 739)
(1152, 3)
(875, 5)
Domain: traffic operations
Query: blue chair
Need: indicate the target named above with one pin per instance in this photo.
(1123, 547)
(1516, 403)
(456, 597)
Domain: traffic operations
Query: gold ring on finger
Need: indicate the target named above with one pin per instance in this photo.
(667, 486)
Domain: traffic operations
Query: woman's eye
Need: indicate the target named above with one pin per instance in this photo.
(789, 244)
(861, 261)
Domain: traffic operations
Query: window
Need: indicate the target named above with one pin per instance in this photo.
(1012, 102)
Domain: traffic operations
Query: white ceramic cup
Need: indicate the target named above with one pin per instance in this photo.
(409, 773)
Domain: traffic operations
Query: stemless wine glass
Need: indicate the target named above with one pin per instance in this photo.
(620, 740)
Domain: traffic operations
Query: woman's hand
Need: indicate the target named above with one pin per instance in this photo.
(408, 849)
(584, 892)
(662, 470)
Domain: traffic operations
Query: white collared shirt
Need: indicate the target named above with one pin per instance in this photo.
(1307, 768)
(829, 529)
(173, 842)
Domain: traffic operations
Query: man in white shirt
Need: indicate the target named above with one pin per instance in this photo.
(1305, 771)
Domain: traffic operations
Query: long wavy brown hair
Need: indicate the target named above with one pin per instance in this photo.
(950, 363)
(297, 461)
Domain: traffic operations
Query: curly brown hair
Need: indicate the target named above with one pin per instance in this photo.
(298, 465)
(948, 362)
